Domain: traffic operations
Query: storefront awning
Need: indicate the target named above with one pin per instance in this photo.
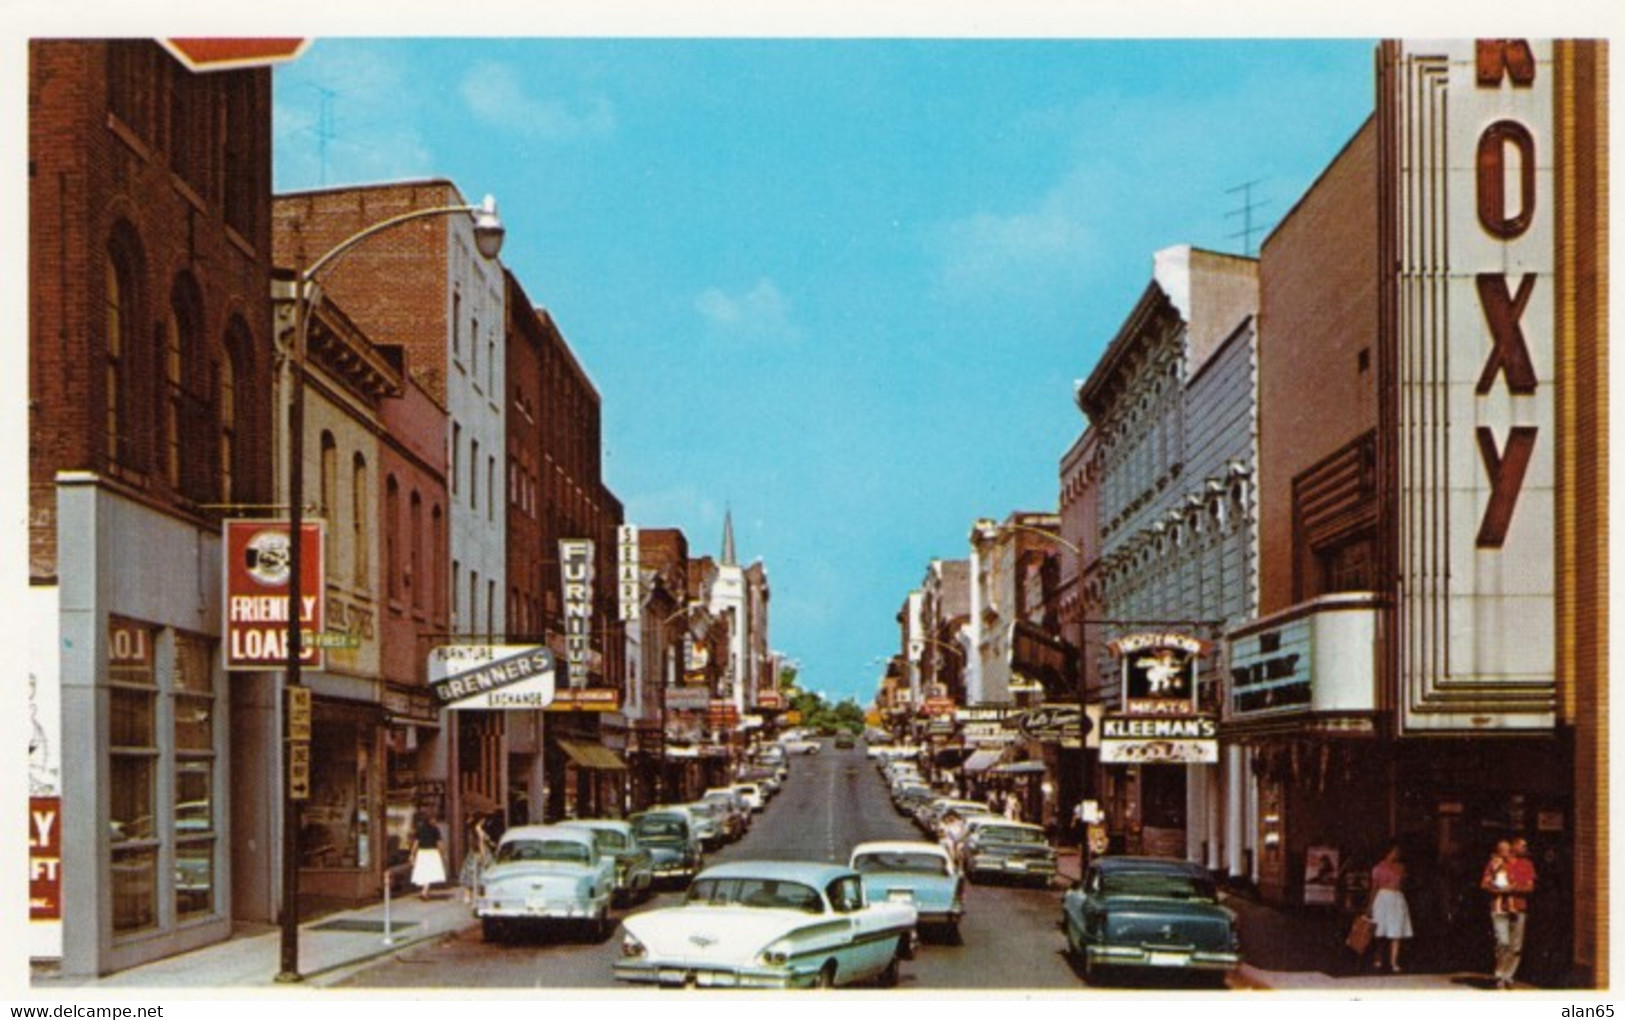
(592, 756)
(981, 761)
(1019, 768)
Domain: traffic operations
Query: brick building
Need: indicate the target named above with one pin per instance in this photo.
(424, 286)
(150, 367)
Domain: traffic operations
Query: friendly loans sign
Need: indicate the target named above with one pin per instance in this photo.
(492, 676)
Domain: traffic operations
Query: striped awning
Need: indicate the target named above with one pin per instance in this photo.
(592, 756)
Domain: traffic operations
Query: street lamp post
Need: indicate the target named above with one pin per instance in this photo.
(488, 235)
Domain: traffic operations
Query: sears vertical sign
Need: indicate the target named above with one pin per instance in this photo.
(629, 570)
(1472, 166)
(575, 564)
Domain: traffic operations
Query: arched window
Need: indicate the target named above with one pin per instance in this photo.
(118, 368)
(414, 571)
(437, 582)
(392, 525)
(182, 399)
(234, 379)
(329, 468)
(360, 497)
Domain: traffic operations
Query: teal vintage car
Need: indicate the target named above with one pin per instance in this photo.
(544, 873)
(634, 863)
(915, 872)
(769, 924)
(1149, 913)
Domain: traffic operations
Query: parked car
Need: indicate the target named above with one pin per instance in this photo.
(751, 793)
(915, 872)
(769, 924)
(1151, 913)
(545, 873)
(673, 843)
(801, 746)
(997, 846)
(845, 740)
(731, 812)
(713, 822)
(930, 815)
(634, 864)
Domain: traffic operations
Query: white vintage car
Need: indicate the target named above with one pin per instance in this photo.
(769, 924)
(542, 873)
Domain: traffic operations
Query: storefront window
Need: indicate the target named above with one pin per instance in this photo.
(135, 890)
(330, 821)
(132, 775)
(193, 690)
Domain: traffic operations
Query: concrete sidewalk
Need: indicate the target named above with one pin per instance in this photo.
(330, 948)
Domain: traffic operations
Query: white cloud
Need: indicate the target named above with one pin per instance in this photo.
(496, 94)
(760, 315)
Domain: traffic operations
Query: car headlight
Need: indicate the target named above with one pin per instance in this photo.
(777, 954)
(631, 948)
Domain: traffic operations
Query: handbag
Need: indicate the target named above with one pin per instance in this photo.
(1360, 934)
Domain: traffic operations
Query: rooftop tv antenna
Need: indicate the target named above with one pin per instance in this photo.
(1248, 228)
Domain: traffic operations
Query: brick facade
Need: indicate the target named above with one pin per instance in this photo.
(124, 186)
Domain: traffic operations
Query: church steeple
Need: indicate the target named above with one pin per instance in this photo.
(729, 557)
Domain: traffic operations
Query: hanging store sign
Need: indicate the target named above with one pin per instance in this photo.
(628, 569)
(1151, 740)
(492, 676)
(1159, 673)
(575, 563)
(586, 699)
(688, 698)
(258, 567)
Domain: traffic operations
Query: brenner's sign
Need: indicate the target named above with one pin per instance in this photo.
(492, 676)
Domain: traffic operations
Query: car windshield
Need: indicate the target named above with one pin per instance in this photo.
(901, 860)
(543, 850)
(765, 893)
(658, 829)
(1010, 834)
(1161, 886)
(608, 840)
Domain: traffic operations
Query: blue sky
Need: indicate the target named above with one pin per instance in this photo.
(843, 286)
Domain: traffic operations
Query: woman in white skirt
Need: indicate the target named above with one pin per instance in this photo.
(428, 867)
(1389, 910)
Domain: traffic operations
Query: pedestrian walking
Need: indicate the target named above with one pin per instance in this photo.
(1389, 910)
(478, 855)
(428, 867)
(1509, 878)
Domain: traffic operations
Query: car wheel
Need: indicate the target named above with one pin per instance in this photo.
(954, 935)
(826, 976)
(892, 974)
